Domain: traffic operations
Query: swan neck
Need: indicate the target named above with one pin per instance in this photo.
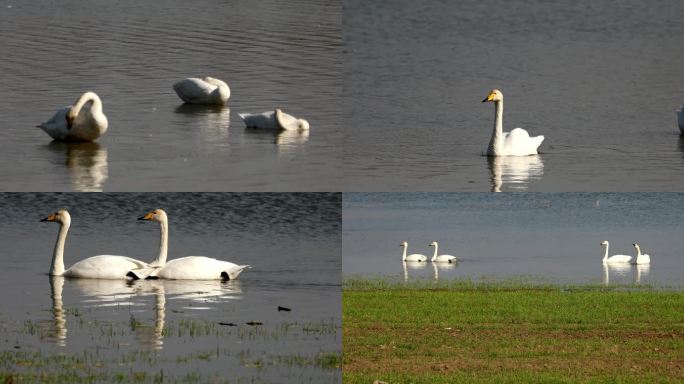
(605, 255)
(434, 255)
(96, 107)
(57, 267)
(160, 261)
(497, 133)
(403, 258)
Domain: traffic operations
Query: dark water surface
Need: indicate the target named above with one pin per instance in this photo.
(601, 80)
(553, 237)
(130, 53)
(292, 242)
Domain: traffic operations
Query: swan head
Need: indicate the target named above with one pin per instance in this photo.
(636, 245)
(433, 244)
(403, 244)
(494, 95)
(605, 242)
(157, 215)
(303, 124)
(62, 216)
(70, 117)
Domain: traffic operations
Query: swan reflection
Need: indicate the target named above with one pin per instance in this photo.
(86, 163)
(100, 293)
(515, 172)
(623, 271)
(287, 141)
(436, 267)
(213, 121)
(415, 265)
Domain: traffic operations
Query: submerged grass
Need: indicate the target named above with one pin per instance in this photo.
(510, 331)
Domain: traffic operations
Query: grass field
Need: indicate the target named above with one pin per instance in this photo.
(510, 333)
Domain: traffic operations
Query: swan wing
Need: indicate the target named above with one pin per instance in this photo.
(193, 90)
(519, 143)
(416, 257)
(104, 267)
(264, 120)
(56, 127)
(446, 259)
(619, 259)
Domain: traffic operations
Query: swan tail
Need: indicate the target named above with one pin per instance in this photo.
(142, 273)
(234, 273)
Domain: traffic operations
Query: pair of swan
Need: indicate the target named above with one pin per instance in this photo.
(417, 257)
(122, 267)
(620, 259)
(514, 143)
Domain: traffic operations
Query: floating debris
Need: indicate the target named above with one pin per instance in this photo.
(254, 323)
(228, 324)
(283, 309)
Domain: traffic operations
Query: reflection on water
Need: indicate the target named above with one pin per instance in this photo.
(287, 142)
(86, 163)
(213, 121)
(515, 172)
(436, 267)
(622, 272)
(415, 265)
(104, 293)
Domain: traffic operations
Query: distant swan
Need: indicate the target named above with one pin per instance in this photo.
(96, 267)
(206, 90)
(441, 258)
(514, 143)
(80, 122)
(680, 119)
(189, 267)
(641, 259)
(412, 257)
(274, 120)
(614, 258)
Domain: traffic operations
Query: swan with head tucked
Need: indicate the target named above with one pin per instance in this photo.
(640, 259)
(189, 267)
(441, 258)
(206, 90)
(83, 121)
(274, 120)
(680, 119)
(614, 258)
(415, 257)
(514, 143)
(95, 267)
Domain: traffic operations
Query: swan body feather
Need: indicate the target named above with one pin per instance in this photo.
(206, 90)
(274, 120)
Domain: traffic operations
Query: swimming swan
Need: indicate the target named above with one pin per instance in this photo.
(96, 267)
(206, 90)
(412, 257)
(614, 258)
(514, 143)
(189, 267)
(275, 120)
(441, 258)
(680, 119)
(83, 121)
(641, 259)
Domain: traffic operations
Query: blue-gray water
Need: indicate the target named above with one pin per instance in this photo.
(601, 80)
(553, 237)
(292, 242)
(271, 54)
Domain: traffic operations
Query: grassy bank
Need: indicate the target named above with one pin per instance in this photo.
(511, 333)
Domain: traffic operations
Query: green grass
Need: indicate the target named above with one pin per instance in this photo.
(512, 331)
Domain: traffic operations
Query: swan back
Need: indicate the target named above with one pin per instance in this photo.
(199, 268)
(207, 90)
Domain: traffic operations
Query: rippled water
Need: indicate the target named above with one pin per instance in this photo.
(601, 80)
(183, 328)
(548, 236)
(130, 53)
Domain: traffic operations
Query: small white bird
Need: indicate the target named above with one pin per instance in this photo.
(441, 258)
(274, 120)
(206, 90)
(614, 258)
(415, 257)
(641, 259)
(514, 143)
(83, 121)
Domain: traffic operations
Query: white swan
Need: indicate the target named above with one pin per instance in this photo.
(95, 267)
(680, 119)
(514, 143)
(441, 258)
(640, 259)
(83, 121)
(416, 257)
(189, 267)
(206, 90)
(614, 258)
(274, 120)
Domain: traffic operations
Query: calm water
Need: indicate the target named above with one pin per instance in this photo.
(292, 242)
(548, 236)
(130, 53)
(601, 80)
